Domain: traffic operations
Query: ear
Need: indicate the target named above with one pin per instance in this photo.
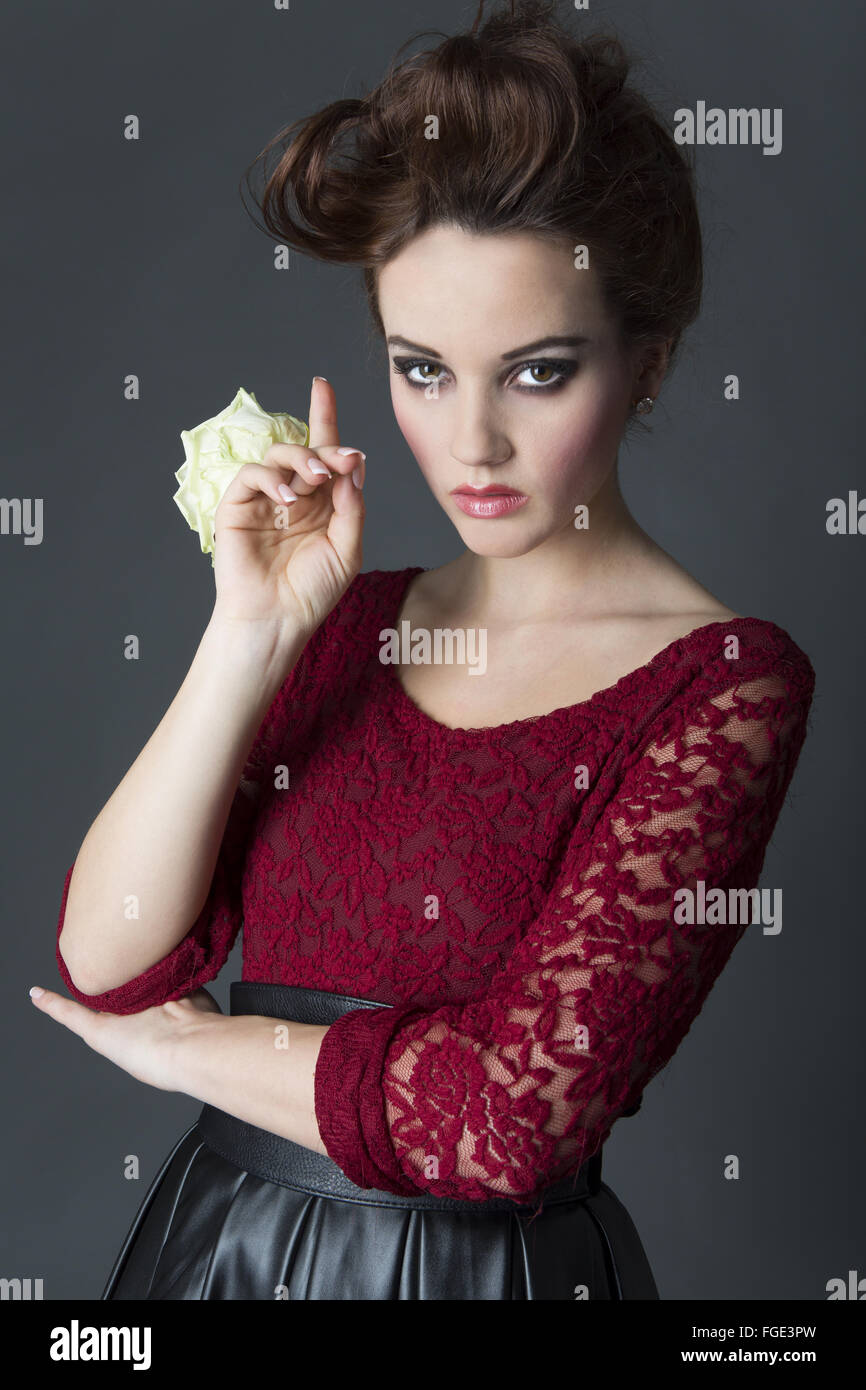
(651, 367)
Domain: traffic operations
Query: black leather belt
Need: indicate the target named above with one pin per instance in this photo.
(279, 1160)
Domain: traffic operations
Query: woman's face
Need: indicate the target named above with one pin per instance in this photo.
(481, 404)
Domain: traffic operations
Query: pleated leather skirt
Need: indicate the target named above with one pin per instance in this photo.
(238, 1213)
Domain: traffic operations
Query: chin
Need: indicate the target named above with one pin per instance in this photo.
(497, 541)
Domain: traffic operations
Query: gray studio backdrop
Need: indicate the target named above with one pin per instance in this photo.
(137, 257)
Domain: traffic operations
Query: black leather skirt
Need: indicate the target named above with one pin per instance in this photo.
(236, 1212)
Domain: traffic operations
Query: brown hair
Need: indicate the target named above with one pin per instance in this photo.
(539, 133)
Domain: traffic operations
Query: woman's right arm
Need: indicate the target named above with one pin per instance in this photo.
(158, 836)
(144, 870)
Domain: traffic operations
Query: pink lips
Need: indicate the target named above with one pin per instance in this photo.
(491, 501)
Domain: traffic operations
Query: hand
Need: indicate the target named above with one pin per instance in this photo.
(143, 1044)
(290, 561)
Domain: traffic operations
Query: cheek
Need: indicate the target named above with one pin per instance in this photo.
(416, 426)
(580, 441)
(575, 451)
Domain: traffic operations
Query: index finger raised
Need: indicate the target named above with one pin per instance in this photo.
(323, 414)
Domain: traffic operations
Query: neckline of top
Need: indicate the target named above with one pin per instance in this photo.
(413, 714)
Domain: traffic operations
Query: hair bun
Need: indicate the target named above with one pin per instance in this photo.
(516, 125)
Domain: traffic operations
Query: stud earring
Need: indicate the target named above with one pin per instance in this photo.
(644, 405)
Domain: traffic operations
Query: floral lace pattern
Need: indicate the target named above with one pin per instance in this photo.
(517, 920)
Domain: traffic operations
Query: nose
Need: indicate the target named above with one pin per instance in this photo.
(477, 439)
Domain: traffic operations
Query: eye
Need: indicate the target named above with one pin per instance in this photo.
(562, 372)
(404, 366)
(559, 372)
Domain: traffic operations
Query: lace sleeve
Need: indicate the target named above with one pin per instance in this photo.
(504, 1095)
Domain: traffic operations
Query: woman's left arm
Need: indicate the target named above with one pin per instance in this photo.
(258, 1069)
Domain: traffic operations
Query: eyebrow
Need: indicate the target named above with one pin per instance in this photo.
(396, 341)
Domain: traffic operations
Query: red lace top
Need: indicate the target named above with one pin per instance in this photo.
(518, 914)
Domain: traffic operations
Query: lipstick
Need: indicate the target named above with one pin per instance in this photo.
(491, 501)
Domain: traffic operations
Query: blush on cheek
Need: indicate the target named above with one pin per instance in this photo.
(575, 460)
(413, 429)
(569, 451)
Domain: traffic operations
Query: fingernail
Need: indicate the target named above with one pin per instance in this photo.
(316, 467)
(320, 378)
(357, 476)
(286, 493)
(347, 450)
(36, 991)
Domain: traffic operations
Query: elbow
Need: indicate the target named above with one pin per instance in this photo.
(81, 976)
(74, 972)
(66, 957)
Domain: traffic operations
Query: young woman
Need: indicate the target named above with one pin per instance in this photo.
(475, 892)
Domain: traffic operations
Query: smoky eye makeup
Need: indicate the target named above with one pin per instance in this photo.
(563, 368)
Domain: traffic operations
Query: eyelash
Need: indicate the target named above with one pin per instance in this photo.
(565, 369)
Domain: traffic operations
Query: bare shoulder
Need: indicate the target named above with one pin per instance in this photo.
(659, 604)
(696, 611)
(673, 598)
